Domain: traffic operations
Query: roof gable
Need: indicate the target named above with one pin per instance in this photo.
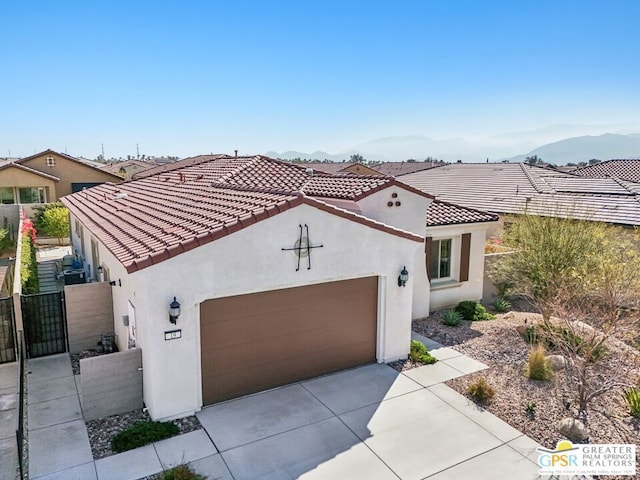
(69, 158)
(146, 221)
(30, 170)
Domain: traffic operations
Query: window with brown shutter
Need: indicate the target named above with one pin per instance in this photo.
(465, 251)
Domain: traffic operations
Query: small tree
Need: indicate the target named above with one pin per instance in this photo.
(585, 278)
(357, 158)
(55, 223)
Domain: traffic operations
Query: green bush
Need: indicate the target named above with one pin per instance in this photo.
(451, 318)
(530, 408)
(538, 367)
(55, 222)
(471, 310)
(29, 266)
(502, 305)
(6, 243)
(418, 353)
(181, 472)
(632, 397)
(481, 391)
(40, 211)
(143, 433)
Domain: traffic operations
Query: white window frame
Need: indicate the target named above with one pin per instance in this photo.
(451, 250)
(51, 161)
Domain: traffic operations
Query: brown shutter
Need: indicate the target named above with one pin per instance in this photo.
(427, 251)
(465, 251)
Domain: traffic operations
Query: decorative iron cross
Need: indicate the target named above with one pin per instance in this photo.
(303, 247)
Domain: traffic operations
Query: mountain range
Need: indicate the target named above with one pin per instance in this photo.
(569, 150)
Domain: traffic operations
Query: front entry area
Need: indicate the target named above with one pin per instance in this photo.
(258, 341)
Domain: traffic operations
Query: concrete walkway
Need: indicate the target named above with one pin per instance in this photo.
(48, 257)
(369, 422)
(9, 388)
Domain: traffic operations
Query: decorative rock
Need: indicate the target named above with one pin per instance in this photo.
(557, 362)
(573, 429)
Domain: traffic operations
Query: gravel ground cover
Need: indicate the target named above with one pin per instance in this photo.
(101, 431)
(498, 344)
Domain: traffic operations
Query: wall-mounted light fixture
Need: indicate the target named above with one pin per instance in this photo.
(174, 310)
(113, 283)
(404, 276)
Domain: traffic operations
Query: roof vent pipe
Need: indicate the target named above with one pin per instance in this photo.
(236, 153)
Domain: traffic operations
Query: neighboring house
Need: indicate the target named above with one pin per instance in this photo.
(628, 169)
(341, 167)
(47, 176)
(517, 188)
(24, 185)
(395, 169)
(281, 274)
(128, 168)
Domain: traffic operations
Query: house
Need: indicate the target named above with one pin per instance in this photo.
(128, 168)
(624, 169)
(341, 167)
(238, 274)
(517, 188)
(47, 176)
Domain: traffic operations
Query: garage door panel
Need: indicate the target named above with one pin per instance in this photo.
(254, 342)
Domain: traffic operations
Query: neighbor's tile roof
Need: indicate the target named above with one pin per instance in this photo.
(445, 213)
(518, 188)
(628, 169)
(395, 169)
(146, 221)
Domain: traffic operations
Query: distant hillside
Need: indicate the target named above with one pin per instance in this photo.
(583, 149)
(320, 156)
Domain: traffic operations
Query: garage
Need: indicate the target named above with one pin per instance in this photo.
(258, 341)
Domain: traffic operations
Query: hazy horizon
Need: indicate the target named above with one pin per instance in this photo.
(198, 77)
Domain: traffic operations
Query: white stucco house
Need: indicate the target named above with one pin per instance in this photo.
(281, 273)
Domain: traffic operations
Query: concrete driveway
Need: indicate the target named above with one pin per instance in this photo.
(370, 422)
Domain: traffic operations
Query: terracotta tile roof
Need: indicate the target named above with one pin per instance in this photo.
(517, 187)
(168, 167)
(628, 169)
(328, 167)
(146, 221)
(444, 213)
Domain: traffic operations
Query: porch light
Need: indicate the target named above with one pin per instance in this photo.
(174, 310)
(404, 276)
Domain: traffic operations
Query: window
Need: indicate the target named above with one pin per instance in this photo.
(31, 195)
(440, 259)
(51, 162)
(6, 195)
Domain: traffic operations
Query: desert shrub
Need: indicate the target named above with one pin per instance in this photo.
(418, 353)
(538, 367)
(481, 391)
(552, 336)
(143, 433)
(6, 243)
(632, 397)
(502, 305)
(181, 472)
(55, 222)
(530, 408)
(471, 310)
(451, 318)
(40, 211)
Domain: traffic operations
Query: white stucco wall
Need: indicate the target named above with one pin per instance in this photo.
(410, 215)
(251, 260)
(446, 294)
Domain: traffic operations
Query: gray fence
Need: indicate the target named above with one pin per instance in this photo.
(111, 384)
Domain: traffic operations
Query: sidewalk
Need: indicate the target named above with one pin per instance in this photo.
(9, 387)
(59, 444)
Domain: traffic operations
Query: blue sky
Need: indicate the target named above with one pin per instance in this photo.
(190, 77)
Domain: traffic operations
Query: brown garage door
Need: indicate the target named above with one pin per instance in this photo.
(253, 342)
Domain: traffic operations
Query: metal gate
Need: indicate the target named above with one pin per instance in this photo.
(7, 331)
(45, 326)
